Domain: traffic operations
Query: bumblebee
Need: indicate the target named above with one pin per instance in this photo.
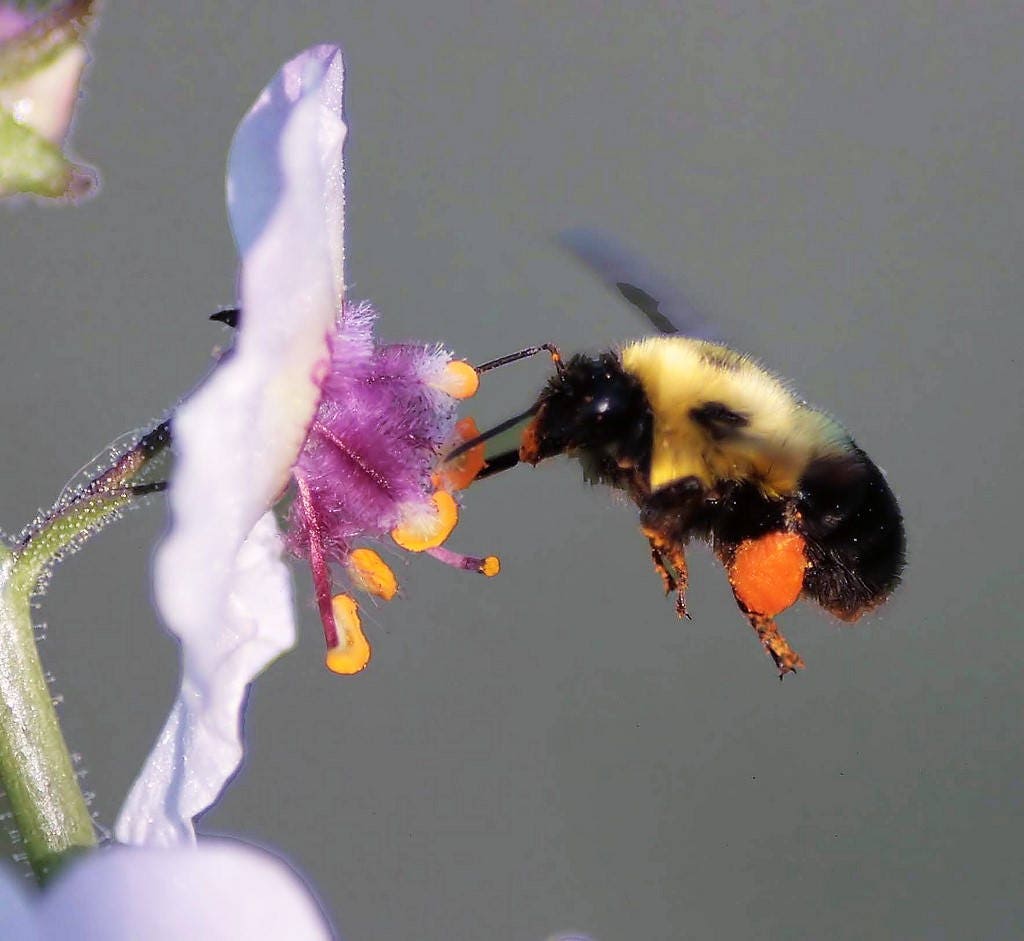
(712, 446)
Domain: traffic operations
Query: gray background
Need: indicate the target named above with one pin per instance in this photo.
(841, 185)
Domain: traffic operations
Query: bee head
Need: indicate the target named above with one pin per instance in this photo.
(592, 405)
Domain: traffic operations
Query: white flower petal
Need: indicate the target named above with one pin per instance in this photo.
(220, 889)
(200, 746)
(255, 171)
(17, 912)
(219, 583)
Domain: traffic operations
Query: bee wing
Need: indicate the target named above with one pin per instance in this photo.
(635, 280)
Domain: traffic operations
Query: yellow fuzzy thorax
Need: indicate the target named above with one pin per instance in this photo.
(782, 437)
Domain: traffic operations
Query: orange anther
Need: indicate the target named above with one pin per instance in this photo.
(491, 566)
(460, 473)
(767, 574)
(425, 527)
(458, 379)
(353, 650)
(372, 574)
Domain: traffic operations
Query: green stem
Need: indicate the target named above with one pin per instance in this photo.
(35, 765)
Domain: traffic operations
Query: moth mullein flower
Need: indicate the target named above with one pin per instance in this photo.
(305, 394)
(370, 468)
(41, 61)
(221, 584)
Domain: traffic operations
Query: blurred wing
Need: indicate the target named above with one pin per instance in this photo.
(650, 292)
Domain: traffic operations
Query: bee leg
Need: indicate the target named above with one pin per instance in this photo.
(666, 518)
(667, 578)
(766, 575)
(786, 659)
(669, 560)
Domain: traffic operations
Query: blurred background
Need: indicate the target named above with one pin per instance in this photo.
(840, 186)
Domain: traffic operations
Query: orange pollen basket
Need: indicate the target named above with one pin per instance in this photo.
(767, 574)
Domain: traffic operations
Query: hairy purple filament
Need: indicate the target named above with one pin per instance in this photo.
(372, 448)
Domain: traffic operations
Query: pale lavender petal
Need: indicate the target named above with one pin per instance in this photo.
(220, 889)
(200, 746)
(17, 901)
(256, 174)
(219, 583)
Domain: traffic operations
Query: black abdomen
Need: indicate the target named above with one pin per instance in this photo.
(854, 532)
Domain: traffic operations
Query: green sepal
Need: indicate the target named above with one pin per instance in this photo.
(29, 163)
(64, 531)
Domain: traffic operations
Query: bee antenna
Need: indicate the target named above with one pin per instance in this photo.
(550, 348)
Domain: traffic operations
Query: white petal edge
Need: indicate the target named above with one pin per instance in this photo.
(200, 747)
(220, 889)
(18, 916)
(219, 581)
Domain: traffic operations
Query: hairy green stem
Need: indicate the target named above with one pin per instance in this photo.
(35, 767)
